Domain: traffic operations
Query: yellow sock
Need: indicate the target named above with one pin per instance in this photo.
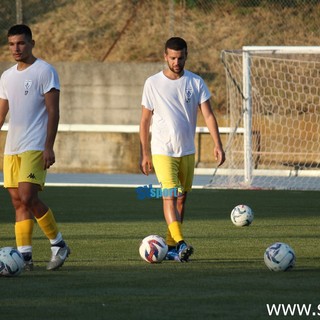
(169, 240)
(48, 225)
(23, 231)
(175, 231)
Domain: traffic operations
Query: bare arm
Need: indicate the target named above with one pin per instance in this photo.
(52, 105)
(212, 125)
(145, 154)
(4, 108)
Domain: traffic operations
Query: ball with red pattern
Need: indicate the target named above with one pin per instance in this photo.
(153, 249)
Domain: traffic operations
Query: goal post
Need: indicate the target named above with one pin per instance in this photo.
(247, 118)
(273, 94)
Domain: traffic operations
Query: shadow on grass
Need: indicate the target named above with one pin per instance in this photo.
(85, 204)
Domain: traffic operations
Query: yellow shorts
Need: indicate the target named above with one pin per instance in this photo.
(174, 172)
(24, 167)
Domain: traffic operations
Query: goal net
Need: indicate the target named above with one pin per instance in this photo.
(273, 102)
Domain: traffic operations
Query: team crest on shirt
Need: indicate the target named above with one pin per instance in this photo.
(27, 86)
(188, 94)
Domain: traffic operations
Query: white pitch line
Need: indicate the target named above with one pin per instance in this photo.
(104, 185)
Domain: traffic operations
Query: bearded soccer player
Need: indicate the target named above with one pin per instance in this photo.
(171, 99)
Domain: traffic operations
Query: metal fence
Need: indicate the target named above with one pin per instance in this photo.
(28, 11)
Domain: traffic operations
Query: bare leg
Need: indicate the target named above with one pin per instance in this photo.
(28, 195)
(21, 210)
(174, 208)
(181, 201)
(27, 206)
(169, 209)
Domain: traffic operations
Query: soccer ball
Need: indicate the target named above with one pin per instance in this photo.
(153, 249)
(242, 215)
(11, 262)
(279, 257)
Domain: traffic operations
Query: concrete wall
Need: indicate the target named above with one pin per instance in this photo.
(99, 93)
(102, 93)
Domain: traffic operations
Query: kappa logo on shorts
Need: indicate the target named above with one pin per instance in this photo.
(31, 176)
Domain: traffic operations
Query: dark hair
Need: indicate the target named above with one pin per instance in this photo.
(20, 29)
(176, 43)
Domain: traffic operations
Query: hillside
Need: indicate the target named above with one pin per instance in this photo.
(108, 31)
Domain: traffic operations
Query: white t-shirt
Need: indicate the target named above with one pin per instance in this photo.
(174, 104)
(25, 92)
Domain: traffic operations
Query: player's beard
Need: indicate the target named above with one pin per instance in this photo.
(177, 69)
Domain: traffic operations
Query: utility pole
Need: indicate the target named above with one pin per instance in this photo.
(19, 12)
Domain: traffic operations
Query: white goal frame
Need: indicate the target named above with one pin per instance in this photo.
(248, 172)
(247, 105)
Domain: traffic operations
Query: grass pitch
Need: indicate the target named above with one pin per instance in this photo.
(105, 278)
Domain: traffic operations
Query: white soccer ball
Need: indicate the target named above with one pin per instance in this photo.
(242, 215)
(11, 262)
(279, 257)
(153, 249)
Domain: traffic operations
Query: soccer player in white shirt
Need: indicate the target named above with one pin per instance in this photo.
(30, 91)
(170, 100)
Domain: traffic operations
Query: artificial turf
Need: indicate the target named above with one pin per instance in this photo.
(105, 278)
